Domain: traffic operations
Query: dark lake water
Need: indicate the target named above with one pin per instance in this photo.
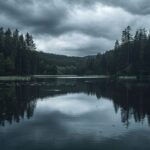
(75, 114)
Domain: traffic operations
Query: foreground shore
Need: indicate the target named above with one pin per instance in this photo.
(30, 78)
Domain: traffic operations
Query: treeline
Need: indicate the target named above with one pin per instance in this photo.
(63, 64)
(18, 55)
(130, 56)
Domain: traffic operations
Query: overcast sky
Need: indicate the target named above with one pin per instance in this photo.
(74, 27)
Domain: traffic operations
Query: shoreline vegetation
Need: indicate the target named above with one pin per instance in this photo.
(32, 77)
(128, 60)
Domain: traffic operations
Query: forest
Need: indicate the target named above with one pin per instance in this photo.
(129, 57)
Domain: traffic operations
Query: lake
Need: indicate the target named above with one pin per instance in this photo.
(74, 114)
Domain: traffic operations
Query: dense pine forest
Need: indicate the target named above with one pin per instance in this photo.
(130, 56)
(18, 56)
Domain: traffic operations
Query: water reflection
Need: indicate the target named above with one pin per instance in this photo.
(16, 102)
(19, 100)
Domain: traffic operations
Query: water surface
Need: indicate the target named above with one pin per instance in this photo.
(82, 113)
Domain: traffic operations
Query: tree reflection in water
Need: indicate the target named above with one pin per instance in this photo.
(18, 100)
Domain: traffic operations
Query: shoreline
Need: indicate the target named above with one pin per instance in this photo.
(15, 78)
(32, 77)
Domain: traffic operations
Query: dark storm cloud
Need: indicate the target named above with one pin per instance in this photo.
(32, 14)
(95, 23)
(49, 16)
(134, 6)
(46, 16)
